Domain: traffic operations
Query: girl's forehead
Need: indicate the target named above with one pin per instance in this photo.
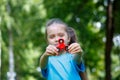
(53, 29)
(56, 26)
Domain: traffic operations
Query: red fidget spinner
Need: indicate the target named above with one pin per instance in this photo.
(61, 45)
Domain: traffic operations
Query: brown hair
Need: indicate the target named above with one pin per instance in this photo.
(72, 34)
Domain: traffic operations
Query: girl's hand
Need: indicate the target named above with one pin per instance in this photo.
(75, 48)
(51, 50)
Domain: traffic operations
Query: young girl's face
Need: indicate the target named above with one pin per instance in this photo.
(56, 32)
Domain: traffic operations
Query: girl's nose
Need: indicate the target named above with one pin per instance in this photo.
(56, 39)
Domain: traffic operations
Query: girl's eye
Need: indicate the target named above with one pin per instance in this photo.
(51, 36)
(61, 34)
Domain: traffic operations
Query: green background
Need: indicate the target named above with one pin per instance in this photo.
(25, 20)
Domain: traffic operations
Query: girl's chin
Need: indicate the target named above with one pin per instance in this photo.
(62, 52)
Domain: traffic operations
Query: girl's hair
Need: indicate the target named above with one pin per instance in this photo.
(72, 35)
(55, 20)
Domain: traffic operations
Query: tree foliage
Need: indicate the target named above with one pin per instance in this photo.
(27, 20)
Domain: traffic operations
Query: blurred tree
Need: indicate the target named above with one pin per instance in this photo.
(25, 20)
(109, 38)
(28, 18)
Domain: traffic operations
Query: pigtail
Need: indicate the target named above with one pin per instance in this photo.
(72, 35)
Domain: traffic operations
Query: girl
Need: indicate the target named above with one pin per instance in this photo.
(64, 65)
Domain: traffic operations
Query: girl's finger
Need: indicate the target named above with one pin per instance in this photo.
(75, 52)
(73, 46)
(50, 52)
(53, 49)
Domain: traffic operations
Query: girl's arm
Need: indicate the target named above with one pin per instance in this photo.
(50, 51)
(75, 49)
(83, 75)
(43, 61)
(78, 58)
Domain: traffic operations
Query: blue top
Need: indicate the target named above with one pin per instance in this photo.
(62, 67)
